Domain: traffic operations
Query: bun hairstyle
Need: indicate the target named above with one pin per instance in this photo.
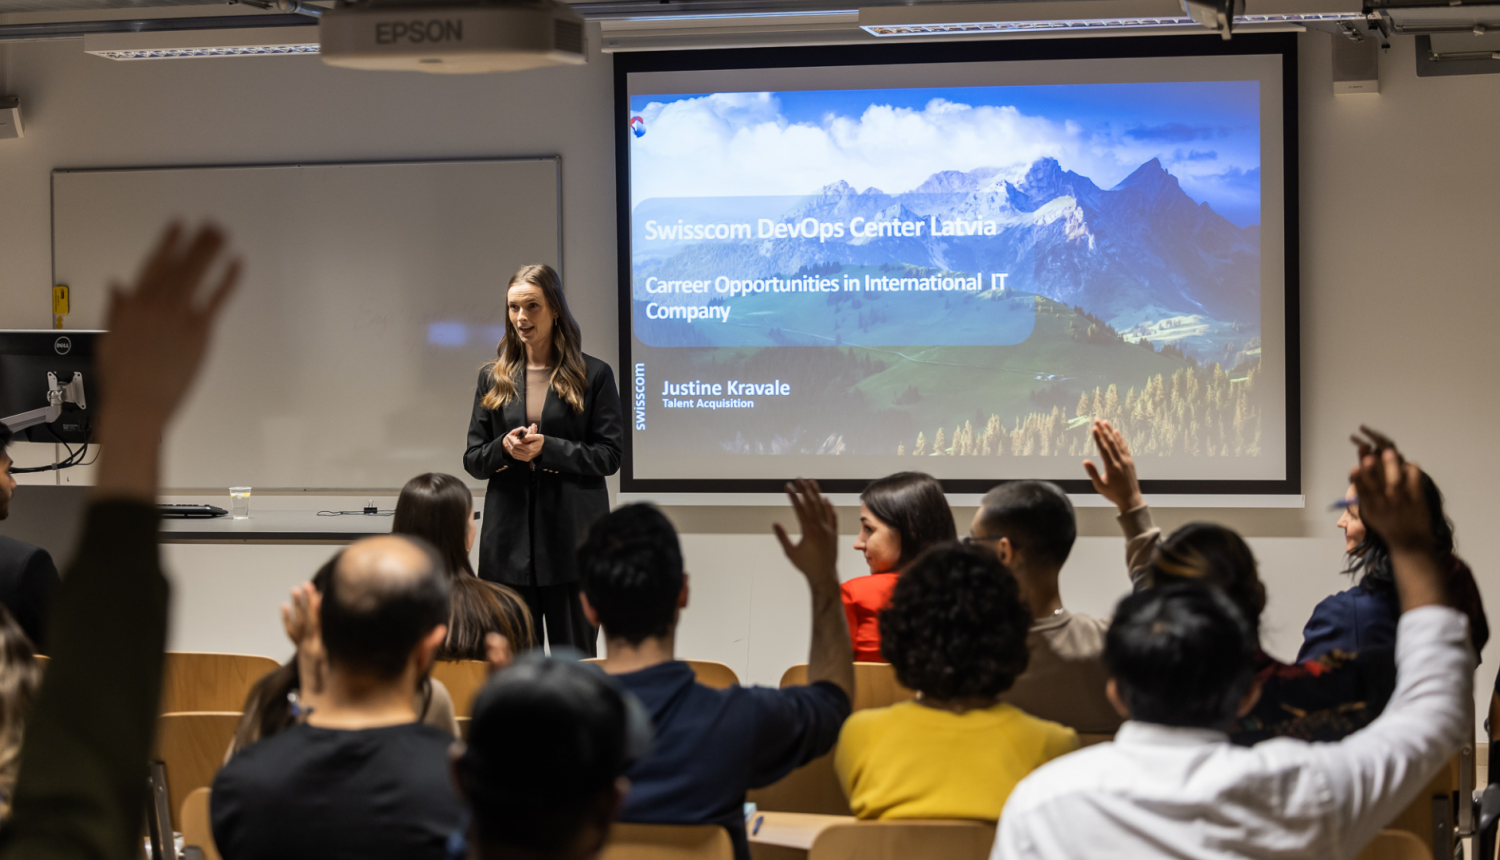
(1217, 556)
(570, 378)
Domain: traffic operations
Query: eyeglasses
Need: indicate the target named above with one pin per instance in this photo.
(970, 540)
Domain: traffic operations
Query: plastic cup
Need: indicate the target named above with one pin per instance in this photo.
(239, 502)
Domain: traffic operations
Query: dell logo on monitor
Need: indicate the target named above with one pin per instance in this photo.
(63, 346)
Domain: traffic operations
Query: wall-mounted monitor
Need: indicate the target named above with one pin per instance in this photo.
(951, 257)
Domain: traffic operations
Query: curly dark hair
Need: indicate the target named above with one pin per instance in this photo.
(956, 625)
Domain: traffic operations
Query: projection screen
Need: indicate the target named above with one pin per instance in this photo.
(952, 258)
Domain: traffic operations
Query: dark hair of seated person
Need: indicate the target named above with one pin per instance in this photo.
(630, 569)
(1217, 556)
(1035, 516)
(20, 678)
(913, 504)
(956, 626)
(541, 769)
(1181, 655)
(1371, 561)
(439, 509)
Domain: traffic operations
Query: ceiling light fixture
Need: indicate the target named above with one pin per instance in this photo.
(197, 44)
(1041, 19)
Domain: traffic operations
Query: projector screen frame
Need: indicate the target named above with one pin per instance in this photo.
(968, 51)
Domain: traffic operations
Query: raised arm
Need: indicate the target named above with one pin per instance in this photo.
(1375, 773)
(603, 444)
(83, 764)
(831, 657)
(1117, 482)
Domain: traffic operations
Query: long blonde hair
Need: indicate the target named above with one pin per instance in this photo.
(20, 676)
(570, 379)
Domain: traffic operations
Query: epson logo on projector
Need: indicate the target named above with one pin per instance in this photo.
(419, 32)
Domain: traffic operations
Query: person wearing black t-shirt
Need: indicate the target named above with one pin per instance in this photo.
(360, 778)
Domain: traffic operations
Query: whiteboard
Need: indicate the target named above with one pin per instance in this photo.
(371, 295)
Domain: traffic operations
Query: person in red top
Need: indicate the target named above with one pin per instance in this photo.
(900, 515)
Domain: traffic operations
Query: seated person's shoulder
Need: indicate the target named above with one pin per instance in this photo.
(19, 554)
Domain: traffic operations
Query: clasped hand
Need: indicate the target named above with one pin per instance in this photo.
(524, 443)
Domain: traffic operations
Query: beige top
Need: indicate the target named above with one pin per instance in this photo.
(537, 382)
(1064, 680)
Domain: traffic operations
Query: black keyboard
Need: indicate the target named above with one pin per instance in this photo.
(191, 511)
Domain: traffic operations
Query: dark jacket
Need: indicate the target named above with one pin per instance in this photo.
(711, 746)
(536, 514)
(28, 582)
(1351, 621)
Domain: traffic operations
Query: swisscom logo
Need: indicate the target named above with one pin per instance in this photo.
(637, 126)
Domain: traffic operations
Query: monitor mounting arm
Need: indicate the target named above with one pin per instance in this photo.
(57, 395)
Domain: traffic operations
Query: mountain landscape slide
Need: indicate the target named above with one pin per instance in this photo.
(1136, 255)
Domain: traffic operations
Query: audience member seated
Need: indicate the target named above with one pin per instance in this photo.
(712, 745)
(1181, 660)
(1324, 699)
(1030, 527)
(440, 509)
(1365, 616)
(554, 795)
(359, 777)
(20, 676)
(955, 631)
(83, 766)
(280, 699)
(28, 578)
(900, 515)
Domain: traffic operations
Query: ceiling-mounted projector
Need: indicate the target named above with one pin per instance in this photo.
(451, 38)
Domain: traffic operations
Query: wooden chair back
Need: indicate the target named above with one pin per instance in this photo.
(814, 787)
(714, 674)
(200, 681)
(875, 684)
(668, 842)
(192, 746)
(905, 840)
(464, 679)
(1430, 817)
(1395, 845)
(197, 826)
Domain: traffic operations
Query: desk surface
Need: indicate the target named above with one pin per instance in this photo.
(273, 526)
(792, 829)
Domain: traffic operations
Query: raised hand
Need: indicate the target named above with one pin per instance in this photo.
(302, 620)
(816, 554)
(1391, 502)
(159, 331)
(158, 336)
(1118, 482)
(497, 651)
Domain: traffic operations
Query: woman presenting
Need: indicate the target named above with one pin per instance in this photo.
(546, 431)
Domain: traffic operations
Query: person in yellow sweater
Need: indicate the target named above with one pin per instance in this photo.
(954, 631)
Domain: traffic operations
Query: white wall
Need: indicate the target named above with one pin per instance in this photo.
(1400, 207)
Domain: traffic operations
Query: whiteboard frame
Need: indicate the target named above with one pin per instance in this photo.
(556, 159)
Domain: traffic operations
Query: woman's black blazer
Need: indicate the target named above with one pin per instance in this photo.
(536, 514)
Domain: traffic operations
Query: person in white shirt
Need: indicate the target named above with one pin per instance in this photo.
(1171, 784)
